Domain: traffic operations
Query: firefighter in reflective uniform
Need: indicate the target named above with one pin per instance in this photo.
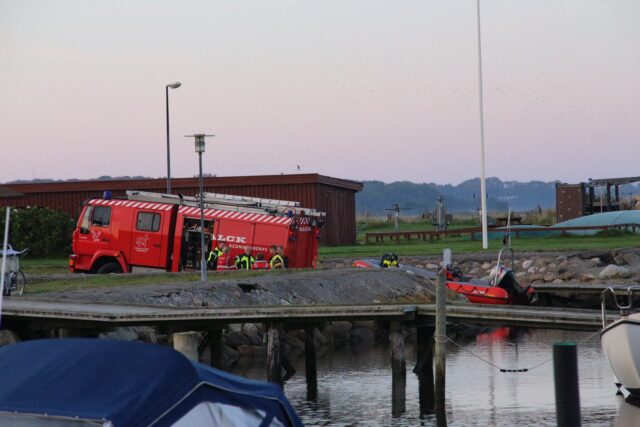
(212, 259)
(224, 260)
(246, 260)
(276, 261)
(285, 259)
(261, 263)
(389, 260)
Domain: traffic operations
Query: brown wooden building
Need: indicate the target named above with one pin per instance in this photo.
(576, 200)
(334, 196)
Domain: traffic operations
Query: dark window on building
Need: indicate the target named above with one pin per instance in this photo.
(101, 216)
(148, 221)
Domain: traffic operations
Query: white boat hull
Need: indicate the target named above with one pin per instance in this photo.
(621, 344)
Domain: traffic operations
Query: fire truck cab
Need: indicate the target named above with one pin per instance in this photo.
(151, 231)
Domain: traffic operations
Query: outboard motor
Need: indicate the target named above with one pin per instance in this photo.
(506, 280)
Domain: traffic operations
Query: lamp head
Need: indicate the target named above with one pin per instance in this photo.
(199, 141)
(175, 85)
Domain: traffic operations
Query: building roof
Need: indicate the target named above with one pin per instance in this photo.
(613, 181)
(177, 183)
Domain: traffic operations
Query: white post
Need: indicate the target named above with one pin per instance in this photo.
(4, 254)
(187, 344)
(483, 184)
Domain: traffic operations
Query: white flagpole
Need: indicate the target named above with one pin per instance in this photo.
(483, 184)
(4, 256)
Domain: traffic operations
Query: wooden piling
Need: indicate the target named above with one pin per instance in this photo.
(187, 344)
(310, 368)
(396, 340)
(441, 349)
(424, 368)
(274, 352)
(398, 369)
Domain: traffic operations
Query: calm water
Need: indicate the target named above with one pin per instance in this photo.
(354, 384)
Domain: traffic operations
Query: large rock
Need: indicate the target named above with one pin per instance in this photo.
(338, 331)
(8, 337)
(253, 333)
(562, 267)
(361, 335)
(229, 356)
(549, 276)
(319, 338)
(292, 342)
(631, 258)
(595, 262)
(252, 350)
(234, 339)
(613, 271)
(132, 333)
(526, 264)
(619, 260)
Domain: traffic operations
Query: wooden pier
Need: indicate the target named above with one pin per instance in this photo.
(60, 314)
(64, 318)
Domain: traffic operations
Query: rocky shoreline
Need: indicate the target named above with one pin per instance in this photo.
(621, 266)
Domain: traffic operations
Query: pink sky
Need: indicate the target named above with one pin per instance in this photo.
(361, 89)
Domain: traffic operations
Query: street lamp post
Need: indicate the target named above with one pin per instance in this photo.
(175, 85)
(199, 144)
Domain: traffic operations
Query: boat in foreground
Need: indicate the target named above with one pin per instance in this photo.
(621, 342)
(82, 382)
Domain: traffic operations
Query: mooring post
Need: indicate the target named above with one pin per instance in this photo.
(215, 348)
(424, 368)
(187, 344)
(310, 355)
(396, 340)
(274, 352)
(440, 338)
(398, 369)
(565, 373)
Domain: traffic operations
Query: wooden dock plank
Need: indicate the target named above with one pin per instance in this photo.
(117, 315)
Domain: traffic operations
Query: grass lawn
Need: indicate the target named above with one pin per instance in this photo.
(44, 265)
(461, 244)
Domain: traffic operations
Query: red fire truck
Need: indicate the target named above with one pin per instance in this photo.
(151, 231)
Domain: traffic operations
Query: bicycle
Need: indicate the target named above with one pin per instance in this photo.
(14, 278)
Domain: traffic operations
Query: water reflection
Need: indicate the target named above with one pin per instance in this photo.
(355, 385)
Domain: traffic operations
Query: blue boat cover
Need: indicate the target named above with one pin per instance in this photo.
(126, 383)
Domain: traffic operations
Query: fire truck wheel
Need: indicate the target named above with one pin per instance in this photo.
(110, 267)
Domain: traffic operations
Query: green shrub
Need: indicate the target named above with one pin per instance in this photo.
(46, 232)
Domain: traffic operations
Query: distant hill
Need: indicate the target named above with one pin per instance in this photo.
(464, 197)
(100, 178)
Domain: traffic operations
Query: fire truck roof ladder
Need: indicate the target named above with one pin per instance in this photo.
(225, 198)
(145, 196)
(227, 202)
(272, 205)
